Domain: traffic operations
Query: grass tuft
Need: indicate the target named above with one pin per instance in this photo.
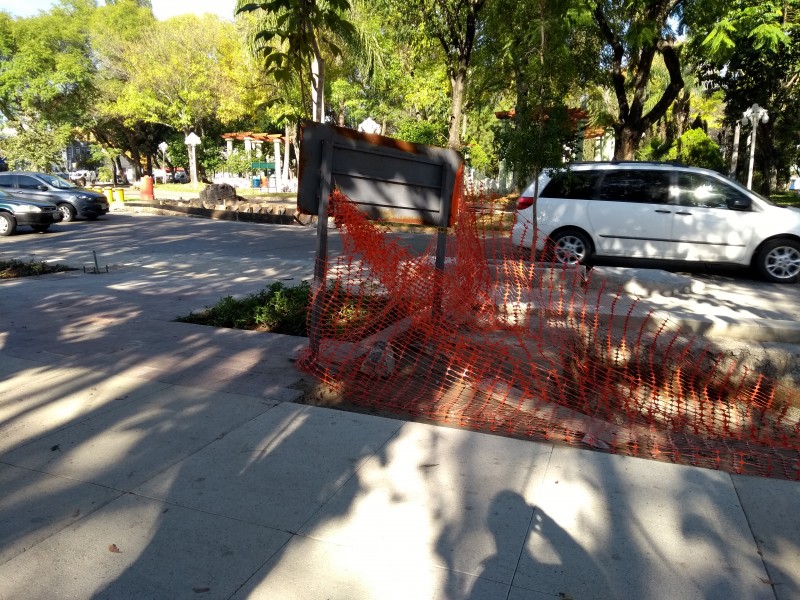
(11, 269)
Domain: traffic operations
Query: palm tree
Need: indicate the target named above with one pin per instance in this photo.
(292, 36)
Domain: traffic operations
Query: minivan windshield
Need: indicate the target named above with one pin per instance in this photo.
(57, 182)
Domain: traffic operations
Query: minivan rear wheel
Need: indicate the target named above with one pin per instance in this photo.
(569, 247)
(67, 212)
(779, 261)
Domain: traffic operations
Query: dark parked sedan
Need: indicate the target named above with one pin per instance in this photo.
(71, 200)
(16, 211)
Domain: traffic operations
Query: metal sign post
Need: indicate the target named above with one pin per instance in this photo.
(388, 179)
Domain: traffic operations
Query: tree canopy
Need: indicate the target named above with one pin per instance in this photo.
(647, 72)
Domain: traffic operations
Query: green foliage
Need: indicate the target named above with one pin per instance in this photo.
(46, 68)
(695, 149)
(533, 141)
(422, 132)
(278, 309)
(479, 159)
(751, 53)
(238, 163)
(292, 35)
(11, 269)
(654, 150)
(36, 145)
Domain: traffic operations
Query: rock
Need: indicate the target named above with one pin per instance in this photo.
(380, 361)
(218, 193)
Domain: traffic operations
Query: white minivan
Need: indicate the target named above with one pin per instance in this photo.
(657, 211)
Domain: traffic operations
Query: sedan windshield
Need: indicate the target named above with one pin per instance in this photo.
(58, 183)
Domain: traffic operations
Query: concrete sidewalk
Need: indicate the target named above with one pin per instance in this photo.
(146, 459)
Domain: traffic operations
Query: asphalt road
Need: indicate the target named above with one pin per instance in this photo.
(244, 257)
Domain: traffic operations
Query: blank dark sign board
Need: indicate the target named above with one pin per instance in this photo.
(390, 180)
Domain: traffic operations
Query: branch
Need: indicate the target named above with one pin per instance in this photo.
(673, 64)
(617, 74)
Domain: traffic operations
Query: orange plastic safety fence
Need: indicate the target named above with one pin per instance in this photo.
(499, 342)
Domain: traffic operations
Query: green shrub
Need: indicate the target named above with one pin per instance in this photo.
(278, 309)
(696, 149)
(422, 132)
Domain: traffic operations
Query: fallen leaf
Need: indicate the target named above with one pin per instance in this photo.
(113, 548)
(56, 447)
(201, 590)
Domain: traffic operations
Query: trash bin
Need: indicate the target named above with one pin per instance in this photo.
(146, 191)
(256, 181)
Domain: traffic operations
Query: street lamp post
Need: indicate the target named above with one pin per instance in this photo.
(192, 140)
(755, 115)
(163, 147)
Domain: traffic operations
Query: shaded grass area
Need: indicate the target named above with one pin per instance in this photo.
(277, 309)
(11, 269)
(281, 309)
(786, 198)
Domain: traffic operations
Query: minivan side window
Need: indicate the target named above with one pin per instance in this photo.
(27, 182)
(573, 185)
(702, 191)
(6, 180)
(647, 187)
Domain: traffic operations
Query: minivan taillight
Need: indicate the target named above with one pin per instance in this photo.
(524, 202)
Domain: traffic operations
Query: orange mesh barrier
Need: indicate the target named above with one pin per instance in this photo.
(502, 343)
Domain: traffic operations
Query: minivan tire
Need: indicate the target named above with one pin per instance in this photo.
(67, 211)
(778, 261)
(568, 247)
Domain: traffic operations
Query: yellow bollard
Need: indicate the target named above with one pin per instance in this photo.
(119, 194)
(108, 193)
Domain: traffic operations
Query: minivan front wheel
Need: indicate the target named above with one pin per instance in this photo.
(67, 212)
(779, 261)
(8, 225)
(569, 247)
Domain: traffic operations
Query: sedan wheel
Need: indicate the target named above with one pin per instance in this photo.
(779, 261)
(570, 247)
(67, 211)
(8, 225)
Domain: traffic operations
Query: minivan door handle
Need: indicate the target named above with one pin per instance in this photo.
(684, 213)
(666, 212)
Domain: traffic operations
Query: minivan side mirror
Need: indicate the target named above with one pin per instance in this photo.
(739, 203)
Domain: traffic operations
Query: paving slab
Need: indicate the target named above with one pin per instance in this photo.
(633, 528)
(278, 469)
(309, 569)
(40, 400)
(35, 506)
(126, 446)
(441, 496)
(11, 365)
(135, 548)
(772, 508)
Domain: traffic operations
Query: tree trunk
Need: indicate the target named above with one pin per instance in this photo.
(633, 72)
(318, 86)
(286, 144)
(458, 82)
(626, 142)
